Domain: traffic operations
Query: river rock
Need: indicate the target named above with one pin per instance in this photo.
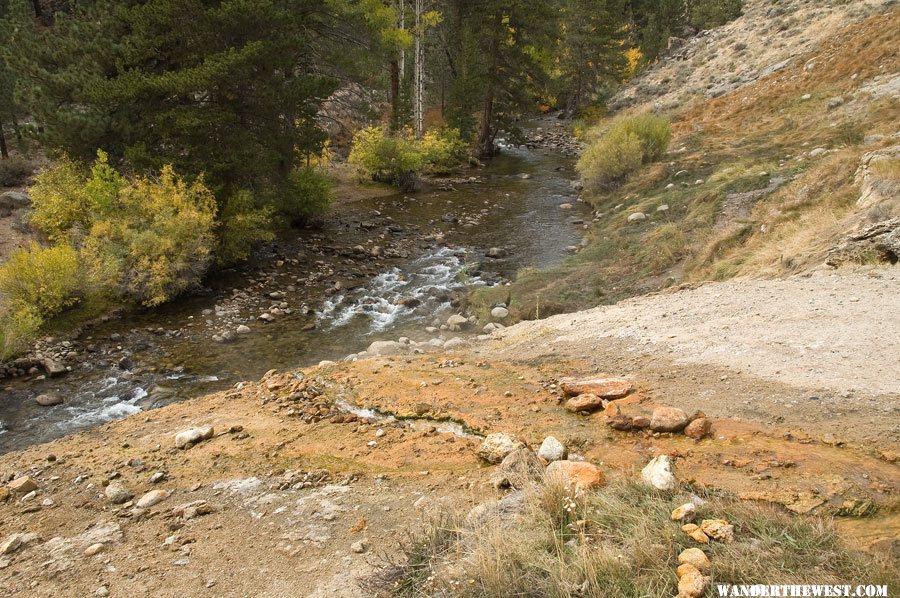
(243, 329)
(151, 498)
(22, 485)
(668, 419)
(695, 557)
(456, 322)
(499, 312)
(48, 400)
(117, 493)
(266, 317)
(517, 469)
(697, 429)
(584, 475)
(187, 438)
(497, 446)
(605, 388)
(495, 253)
(53, 368)
(552, 450)
(658, 473)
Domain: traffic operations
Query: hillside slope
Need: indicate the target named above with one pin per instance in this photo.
(788, 169)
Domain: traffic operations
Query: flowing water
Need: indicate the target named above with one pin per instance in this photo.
(336, 300)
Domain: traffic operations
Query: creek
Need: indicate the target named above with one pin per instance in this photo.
(376, 269)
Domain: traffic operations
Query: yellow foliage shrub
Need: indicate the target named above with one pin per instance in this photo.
(47, 279)
(157, 243)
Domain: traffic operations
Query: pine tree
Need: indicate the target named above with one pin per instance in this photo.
(591, 49)
(228, 88)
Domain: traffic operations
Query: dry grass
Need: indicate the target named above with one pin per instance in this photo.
(618, 542)
(734, 144)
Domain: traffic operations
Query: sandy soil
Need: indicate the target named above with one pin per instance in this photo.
(819, 352)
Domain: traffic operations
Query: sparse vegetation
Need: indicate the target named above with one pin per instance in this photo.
(619, 541)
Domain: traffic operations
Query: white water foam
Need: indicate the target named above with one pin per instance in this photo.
(380, 300)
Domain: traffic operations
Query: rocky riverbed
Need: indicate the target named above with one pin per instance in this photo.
(382, 269)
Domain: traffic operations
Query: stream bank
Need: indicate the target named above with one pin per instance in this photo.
(393, 266)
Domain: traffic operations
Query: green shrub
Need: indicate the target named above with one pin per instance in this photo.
(398, 159)
(59, 199)
(625, 145)
(241, 226)
(308, 194)
(706, 14)
(443, 150)
(654, 133)
(14, 171)
(46, 280)
(393, 159)
(157, 243)
(606, 164)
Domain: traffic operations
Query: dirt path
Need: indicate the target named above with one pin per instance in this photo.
(814, 351)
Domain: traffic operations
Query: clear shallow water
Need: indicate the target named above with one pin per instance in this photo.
(503, 209)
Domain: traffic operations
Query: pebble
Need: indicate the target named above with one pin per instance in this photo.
(93, 549)
(360, 546)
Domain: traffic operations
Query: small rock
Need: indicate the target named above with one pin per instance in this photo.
(685, 512)
(585, 475)
(497, 446)
(458, 321)
(517, 469)
(93, 549)
(668, 419)
(718, 529)
(819, 151)
(552, 450)
(585, 402)
(637, 217)
(48, 400)
(695, 533)
(188, 438)
(101, 591)
(605, 388)
(692, 583)
(663, 208)
(22, 485)
(695, 557)
(498, 313)
(151, 498)
(12, 543)
(697, 429)
(117, 493)
(495, 253)
(658, 473)
(243, 329)
(157, 477)
(359, 547)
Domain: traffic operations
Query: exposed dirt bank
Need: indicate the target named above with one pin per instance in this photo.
(280, 526)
